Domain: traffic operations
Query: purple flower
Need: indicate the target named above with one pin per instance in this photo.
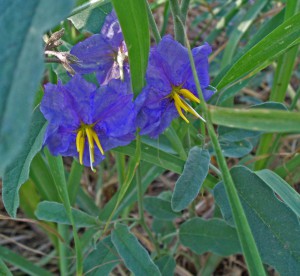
(105, 53)
(84, 121)
(170, 83)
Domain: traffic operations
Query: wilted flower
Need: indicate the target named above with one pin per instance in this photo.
(84, 121)
(105, 53)
(170, 84)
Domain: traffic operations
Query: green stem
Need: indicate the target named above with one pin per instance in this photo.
(62, 249)
(178, 26)
(141, 206)
(57, 168)
(247, 241)
(215, 169)
(152, 23)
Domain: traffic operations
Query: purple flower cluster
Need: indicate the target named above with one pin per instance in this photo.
(105, 53)
(85, 121)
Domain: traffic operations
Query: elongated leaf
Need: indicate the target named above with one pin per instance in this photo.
(269, 220)
(189, 183)
(263, 53)
(258, 119)
(21, 57)
(74, 180)
(212, 235)
(154, 156)
(57, 169)
(41, 175)
(289, 196)
(133, 19)
(135, 257)
(240, 30)
(56, 212)
(4, 269)
(18, 261)
(17, 172)
(160, 208)
(166, 265)
(92, 18)
(101, 260)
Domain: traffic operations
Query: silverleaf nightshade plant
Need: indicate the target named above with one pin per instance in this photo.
(105, 53)
(170, 84)
(85, 121)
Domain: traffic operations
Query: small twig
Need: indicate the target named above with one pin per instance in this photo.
(52, 60)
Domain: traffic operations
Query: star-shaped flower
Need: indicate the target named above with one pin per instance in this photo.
(105, 53)
(84, 121)
(170, 85)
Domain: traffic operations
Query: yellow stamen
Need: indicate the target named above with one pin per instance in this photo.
(96, 139)
(78, 136)
(189, 95)
(179, 111)
(92, 137)
(179, 102)
(91, 143)
(81, 148)
(193, 111)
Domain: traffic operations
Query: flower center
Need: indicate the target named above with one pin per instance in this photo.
(179, 95)
(92, 138)
(121, 58)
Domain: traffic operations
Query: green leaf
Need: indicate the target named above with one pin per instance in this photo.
(21, 58)
(92, 18)
(154, 156)
(212, 235)
(235, 134)
(160, 208)
(102, 259)
(240, 30)
(4, 269)
(133, 19)
(235, 149)
(189, 183)
(17, 172)
(163, 228)
(166, 265)
(42, 177)
(57, 169)
(56, 212)
(263, 53)
(24, 265)
(135, 257)
(266, 120)
(74, 180)
(287, 194)
(274, 225)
